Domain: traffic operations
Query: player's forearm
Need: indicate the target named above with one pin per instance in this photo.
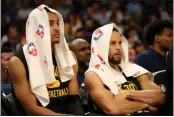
(41, 111)
(131, 107)
(125, 107)
(151, 97)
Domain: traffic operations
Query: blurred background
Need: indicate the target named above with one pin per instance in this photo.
(82, 17)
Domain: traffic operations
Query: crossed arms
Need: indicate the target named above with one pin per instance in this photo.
(119, 105)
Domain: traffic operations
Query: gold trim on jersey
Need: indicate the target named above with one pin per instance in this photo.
(130, 86)
(58, 92)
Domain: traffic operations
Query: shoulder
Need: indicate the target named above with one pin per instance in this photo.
(91, 78)
(142, 54)
(142, 57)
(15, 64)
(14, 60)
(91, 74)
(16, 68)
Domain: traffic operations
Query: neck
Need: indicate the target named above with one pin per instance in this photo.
(159, 50)
(115, 67)
(52, 47)
(81, 70)
(82, 66)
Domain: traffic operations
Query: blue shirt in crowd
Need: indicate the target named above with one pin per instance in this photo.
(5, 87)
(80, 78)
(151, 60)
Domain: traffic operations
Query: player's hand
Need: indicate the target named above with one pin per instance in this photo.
(152, 108)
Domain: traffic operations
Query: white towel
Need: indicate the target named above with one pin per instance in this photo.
(38, 53)
(99, 59)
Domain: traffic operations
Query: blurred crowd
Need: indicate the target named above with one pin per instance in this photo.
(81, 18)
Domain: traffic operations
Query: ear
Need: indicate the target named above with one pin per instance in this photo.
(157, 38)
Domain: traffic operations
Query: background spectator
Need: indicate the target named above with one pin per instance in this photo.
(81, 49)
(160, 36)
(138, 47)
(83, 17)
(12, 37)
(6, 54)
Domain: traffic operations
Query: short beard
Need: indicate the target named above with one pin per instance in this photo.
(55, 42)
(113, 61)
(84, 65)
(165, 49)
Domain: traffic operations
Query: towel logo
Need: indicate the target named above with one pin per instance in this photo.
(97, 66)
(28, 23)
(40, 8)
(98, 34)
(32, 49)
(92, 49)
(45, 61)
(101, 59)
(40, 31)
(118, 83)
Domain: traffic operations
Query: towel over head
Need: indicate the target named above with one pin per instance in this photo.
(99, 59)
(38, 53)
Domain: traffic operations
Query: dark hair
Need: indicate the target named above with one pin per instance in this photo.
(114, 29)
(136, 44)
(6, 47)
(156, 28)
(81, 29)
(47, 10)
